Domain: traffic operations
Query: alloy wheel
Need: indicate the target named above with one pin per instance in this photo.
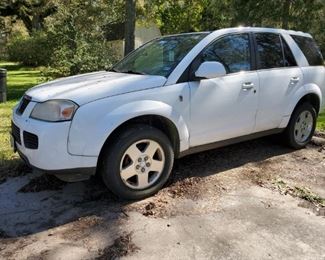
(303, 127)
(142, 164)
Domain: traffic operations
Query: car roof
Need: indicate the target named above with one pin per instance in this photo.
(248, 29)
(266, 29)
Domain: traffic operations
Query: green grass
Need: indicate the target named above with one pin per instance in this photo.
(321, 121)
(19, 80)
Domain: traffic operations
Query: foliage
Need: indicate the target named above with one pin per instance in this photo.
(200, 15)
(31, 12)
(176, 16)
(76, 31)
(32, 50)
(71, 36)
(72, 40)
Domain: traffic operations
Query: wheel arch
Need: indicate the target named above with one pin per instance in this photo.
(160, 122)
(308, 93)
(311, 98)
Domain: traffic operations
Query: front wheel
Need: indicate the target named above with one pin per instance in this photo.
(302, 126)
(139, 163)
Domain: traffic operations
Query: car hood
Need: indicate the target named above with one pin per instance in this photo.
(85, 88)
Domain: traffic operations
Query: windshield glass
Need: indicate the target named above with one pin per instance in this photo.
(160, 56)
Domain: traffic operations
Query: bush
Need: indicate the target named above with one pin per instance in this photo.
(73, 39)
(76, 31)
(32, 50)
(84, 56)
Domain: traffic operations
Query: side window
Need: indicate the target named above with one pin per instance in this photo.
(289, 59)
(310, 49)
(269, 50)
(233, 51)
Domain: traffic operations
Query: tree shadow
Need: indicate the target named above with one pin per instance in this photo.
(44, 210)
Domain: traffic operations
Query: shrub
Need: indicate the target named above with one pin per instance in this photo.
(32, 50)
(76, 31)
(84, 56)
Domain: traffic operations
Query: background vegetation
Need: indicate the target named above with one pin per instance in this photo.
(73, 36)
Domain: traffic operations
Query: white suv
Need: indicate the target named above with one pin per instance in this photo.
(171, 97)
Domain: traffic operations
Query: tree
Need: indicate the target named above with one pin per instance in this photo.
(176, 16)
(32, 13)
(76, 31)
(130, 19)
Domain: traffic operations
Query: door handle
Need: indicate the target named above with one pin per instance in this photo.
(247, 86)
(294, 79)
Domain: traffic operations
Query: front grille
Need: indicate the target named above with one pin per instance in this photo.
(23, 104)
(30, 140)
(15, 131)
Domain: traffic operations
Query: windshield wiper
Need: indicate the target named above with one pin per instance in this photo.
(133, 72)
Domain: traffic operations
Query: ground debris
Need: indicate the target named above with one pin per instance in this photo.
(320, 134)
(42, 183)
(187, 188)
(156, 207)
(89, 221)
(121, 247)
(148, 209)
(261, 174)
(300, 192)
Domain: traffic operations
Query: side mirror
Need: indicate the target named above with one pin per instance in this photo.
(210, 70)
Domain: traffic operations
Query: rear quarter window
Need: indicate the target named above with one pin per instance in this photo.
(310, 49)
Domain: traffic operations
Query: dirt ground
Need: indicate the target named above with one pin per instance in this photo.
(255, 200)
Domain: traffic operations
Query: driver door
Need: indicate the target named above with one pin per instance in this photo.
(225, 107)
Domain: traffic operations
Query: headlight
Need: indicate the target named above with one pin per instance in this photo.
(54, 110)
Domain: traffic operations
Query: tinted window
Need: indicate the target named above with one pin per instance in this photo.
(269, 50)
(232, 51)
(289, 59)
(310, 49)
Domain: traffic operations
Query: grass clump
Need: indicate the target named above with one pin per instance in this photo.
(300, 192)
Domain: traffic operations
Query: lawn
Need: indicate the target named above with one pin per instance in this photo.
(19, 80)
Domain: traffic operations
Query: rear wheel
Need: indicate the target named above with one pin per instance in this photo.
(302, 126)
(139, 163)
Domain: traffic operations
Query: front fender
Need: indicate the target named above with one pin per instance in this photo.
(88, 134)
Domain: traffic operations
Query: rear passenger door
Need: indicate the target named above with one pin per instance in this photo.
(279, 77)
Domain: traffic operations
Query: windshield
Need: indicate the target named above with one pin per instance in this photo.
(160, 56)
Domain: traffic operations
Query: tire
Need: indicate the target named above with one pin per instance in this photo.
(123, 172)
(301, 126)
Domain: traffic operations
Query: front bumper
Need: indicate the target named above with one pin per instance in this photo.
(51, 154)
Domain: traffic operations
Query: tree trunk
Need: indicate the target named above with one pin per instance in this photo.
(130, 16)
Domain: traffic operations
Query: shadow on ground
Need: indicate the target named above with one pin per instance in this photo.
(27, 208)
